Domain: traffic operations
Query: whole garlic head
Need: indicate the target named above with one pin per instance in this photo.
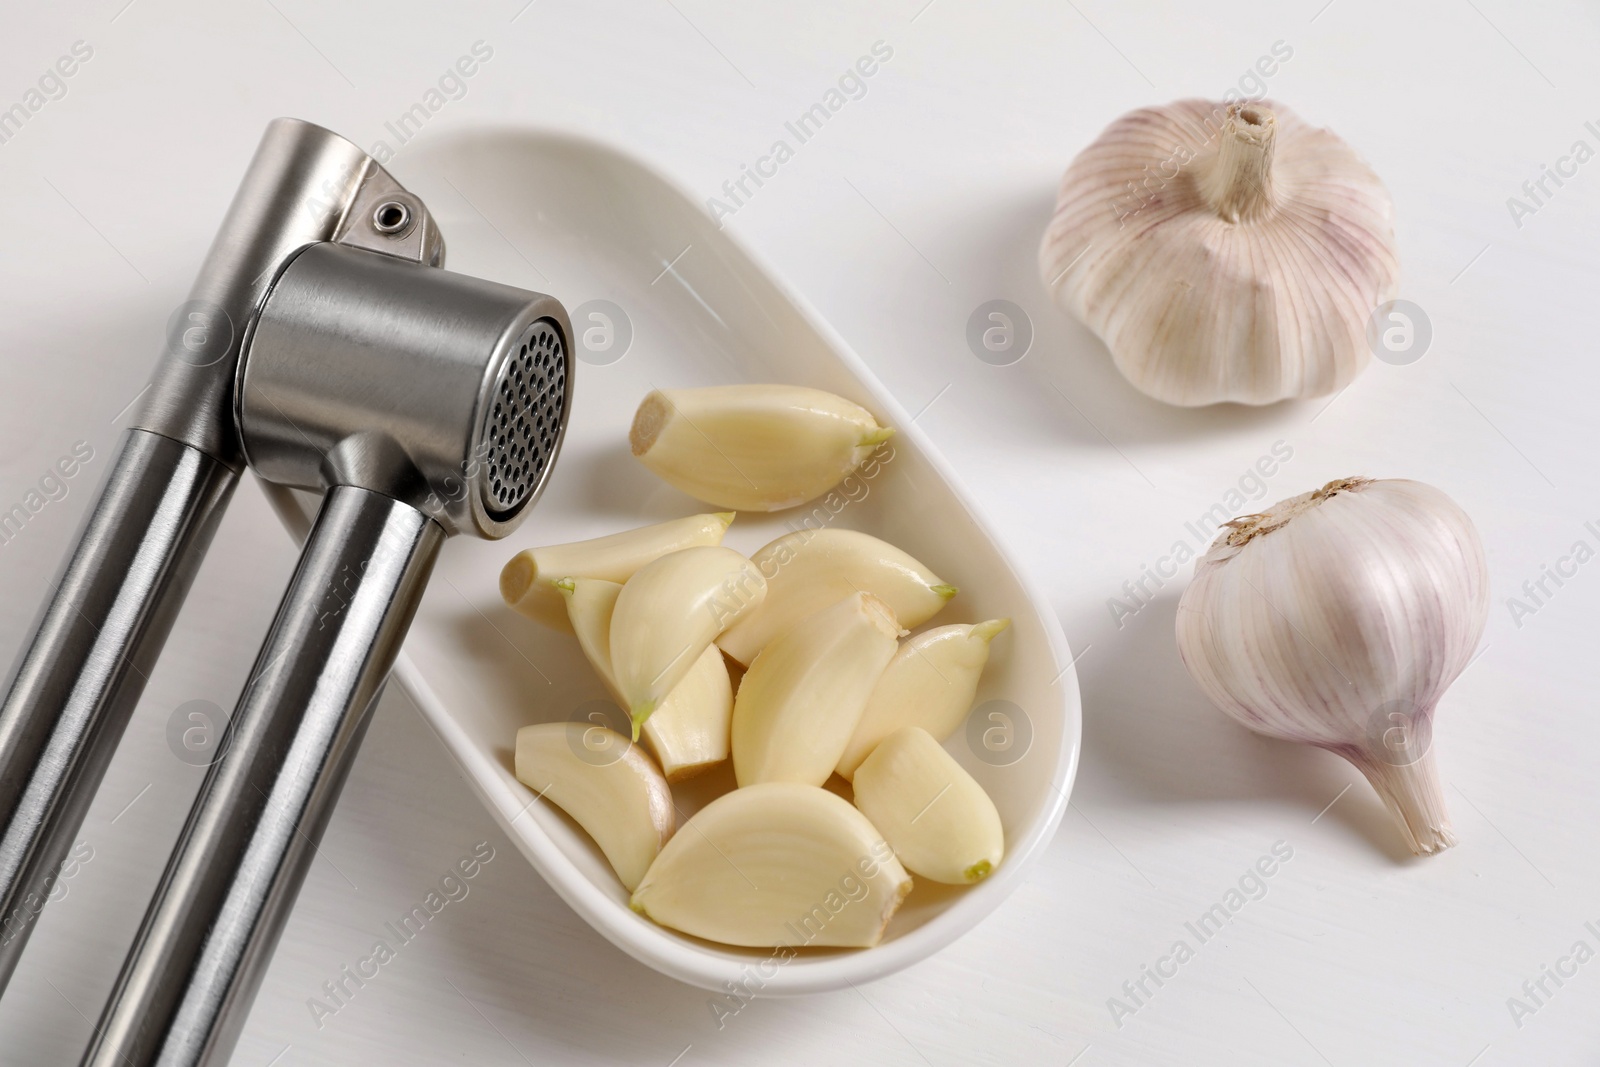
(1223, 252)
(1338, 618)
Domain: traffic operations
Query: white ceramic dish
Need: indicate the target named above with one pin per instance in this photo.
(703, 310)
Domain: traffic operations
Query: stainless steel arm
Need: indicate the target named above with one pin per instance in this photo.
(76, 683)
(187, 985)
(424, 403)
(82, 672)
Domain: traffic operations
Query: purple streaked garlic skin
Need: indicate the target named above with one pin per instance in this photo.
(1223, 252)
(1338, 618)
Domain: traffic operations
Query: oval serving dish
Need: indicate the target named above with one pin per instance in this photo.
(588, 223)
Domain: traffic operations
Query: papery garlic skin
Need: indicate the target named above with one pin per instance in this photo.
(809, 569)
(610, 788)
(753, 447)
(1338, 618)
(800, 701)
(930, 683)
(689, 732)
(1223, 252)
(936, 817)
(527, 582)
(667, 614)
(770, 865)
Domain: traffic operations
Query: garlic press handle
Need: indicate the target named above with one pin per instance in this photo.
(78, 679)
(83, 670)
(188, 982)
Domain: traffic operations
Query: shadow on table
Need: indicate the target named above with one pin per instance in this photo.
(1147, 721)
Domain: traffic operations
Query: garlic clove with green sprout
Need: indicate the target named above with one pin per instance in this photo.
(1223, 252)
(666, 615)
(936, 817)
(1338, 618)
(930, 683)
(769, 865)
(528, 581)
(688, 733)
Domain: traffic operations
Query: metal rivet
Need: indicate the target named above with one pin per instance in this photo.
(391, 217)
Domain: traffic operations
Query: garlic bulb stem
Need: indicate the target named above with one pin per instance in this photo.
(1238, 186)
(1414, 796)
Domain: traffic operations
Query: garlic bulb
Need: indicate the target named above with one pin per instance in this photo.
(1338, 618)
(1223, 252)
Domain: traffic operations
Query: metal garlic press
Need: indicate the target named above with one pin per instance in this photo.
(324, 347)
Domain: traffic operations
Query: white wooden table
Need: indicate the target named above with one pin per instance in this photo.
(917, 202)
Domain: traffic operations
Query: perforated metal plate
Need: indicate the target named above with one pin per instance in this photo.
(523, 422)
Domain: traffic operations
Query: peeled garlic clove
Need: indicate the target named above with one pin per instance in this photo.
(1338, 618)
(528, 581)
(776, 865)
(689, 731)
(590, 604)
(667, 614)
(609, 787)
(810, 569)
(1223, 252)
(936, 817)
(802, 697)
(753, 447)
(930, 683)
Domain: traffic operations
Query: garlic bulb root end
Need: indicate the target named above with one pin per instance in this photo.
(1247, 528)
